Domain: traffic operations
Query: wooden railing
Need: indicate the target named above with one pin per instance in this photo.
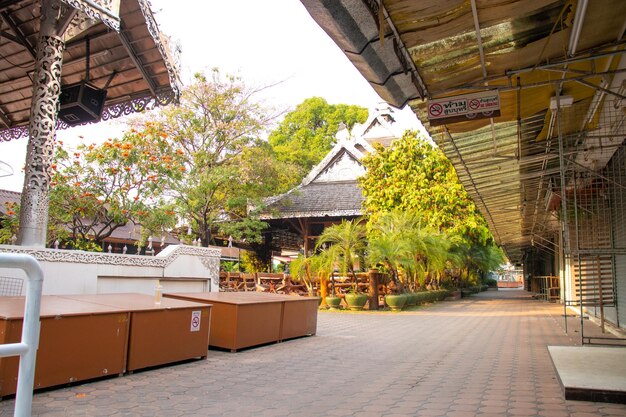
(285, 284)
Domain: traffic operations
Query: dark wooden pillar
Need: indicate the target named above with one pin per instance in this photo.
(373, 278)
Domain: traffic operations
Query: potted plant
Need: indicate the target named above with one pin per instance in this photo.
(333, 302)
(395, 301)
(309, 270)
(356, 300)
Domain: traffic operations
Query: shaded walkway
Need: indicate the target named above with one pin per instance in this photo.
(486, 355)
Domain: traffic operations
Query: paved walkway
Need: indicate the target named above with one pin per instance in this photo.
(483, 356)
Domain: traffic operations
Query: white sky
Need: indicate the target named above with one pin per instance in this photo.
(263, 41)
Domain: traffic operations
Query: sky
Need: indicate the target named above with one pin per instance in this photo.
(265, 42)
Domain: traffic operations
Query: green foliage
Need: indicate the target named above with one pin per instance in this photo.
(347, 245)
(229, 266)
(398, 241)
(309, 269)
(215, 131)
(84, 244)
(309, 132)
(412, 175)
(9, 224)
(250, 262)
(431, 296)
(447, 229)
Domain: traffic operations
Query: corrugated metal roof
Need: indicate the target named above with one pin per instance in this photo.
(527, 50)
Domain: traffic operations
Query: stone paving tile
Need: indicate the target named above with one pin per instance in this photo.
(482, 356)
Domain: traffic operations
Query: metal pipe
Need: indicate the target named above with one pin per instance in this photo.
(579, 19)
(479, 39)
(27, 349)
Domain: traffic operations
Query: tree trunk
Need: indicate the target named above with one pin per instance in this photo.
(373, 278)
(323, 289)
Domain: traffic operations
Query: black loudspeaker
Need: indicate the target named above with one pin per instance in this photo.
(81, 103)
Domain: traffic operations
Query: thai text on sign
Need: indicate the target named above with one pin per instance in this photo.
(463, 108)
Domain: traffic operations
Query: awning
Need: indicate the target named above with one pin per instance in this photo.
(129, 57)
(541, 56)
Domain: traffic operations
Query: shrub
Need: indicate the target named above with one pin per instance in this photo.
(431, 296)
(490, 282)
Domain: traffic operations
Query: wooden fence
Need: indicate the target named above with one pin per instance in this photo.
(284, 284)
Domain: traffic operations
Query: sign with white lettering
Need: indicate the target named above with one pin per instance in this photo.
(463, 108)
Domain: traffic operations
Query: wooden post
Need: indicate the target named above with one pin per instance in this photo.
(305, 235)
(373, 278)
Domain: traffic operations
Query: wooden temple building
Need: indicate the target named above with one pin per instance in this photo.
(330, 193)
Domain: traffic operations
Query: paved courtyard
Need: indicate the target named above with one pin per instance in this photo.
(482, 356)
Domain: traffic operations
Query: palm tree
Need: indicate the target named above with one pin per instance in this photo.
(309, 270)
(389, 243)
(301, 270)
(475, 259)
(385, 249)
(347, 245)
(400, 242)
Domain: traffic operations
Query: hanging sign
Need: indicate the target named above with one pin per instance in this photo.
(463, 108)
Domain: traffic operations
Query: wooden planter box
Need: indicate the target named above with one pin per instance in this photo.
(245, 319)
(78, 341)
(89, 336)
(172, 331)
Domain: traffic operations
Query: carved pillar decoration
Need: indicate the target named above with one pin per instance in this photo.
(43, 118)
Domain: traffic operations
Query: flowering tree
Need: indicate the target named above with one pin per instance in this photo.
(97, 189)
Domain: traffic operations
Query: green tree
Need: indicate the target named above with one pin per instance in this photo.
(216, 130)
(414, 176)
(99, 188)
(309, 132)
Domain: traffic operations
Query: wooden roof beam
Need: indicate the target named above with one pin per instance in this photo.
(133, 56)
(4, 119)
(18, 34)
